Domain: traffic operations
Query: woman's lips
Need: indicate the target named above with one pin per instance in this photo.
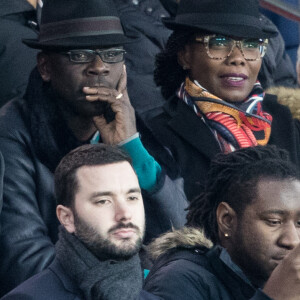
(233, 79)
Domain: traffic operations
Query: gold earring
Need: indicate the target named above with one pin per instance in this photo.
(226, 235)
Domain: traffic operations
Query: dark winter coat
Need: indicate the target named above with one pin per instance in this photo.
(1, 182)
(187, 269)
(54, 283)
(277, 69)
(16, 59)
(32, 146)
(142, 19)
(194, 146)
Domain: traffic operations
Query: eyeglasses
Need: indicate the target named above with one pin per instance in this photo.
(221, 47)
(110, 56)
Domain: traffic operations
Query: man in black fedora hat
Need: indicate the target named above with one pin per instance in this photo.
(76, 95)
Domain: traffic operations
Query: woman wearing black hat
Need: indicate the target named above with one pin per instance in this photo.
(208, 74)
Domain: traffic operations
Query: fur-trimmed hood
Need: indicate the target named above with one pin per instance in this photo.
(186, 237)
(289, 97)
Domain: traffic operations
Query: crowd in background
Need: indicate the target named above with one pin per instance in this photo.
(192, 107)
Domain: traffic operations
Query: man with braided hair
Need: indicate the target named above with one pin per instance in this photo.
(250, 210)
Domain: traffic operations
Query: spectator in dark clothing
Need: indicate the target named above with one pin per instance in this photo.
(250, 210)
(1, 183)
(16, 60)
(289, 28)
(100, 207)
(298, 66)
(208, 75)
(142, 18)
(77, 95)
(277, 68)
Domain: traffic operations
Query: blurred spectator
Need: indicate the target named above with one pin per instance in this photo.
(16, 60)
(298, 65)
(1, 182)
(288, 28)
(289, 97)
(277, 68)
(142, 18)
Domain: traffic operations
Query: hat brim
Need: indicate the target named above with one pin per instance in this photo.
(80, 42)
(242, 31)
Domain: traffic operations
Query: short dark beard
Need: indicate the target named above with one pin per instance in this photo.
(102, 248)
(256, 274)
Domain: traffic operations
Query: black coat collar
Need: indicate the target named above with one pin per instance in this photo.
(190, 127)
(67, 282)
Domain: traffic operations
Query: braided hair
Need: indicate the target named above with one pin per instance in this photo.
(233, 178)
(168, 73)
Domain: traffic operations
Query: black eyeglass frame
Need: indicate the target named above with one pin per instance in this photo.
(95, 53)
(237, 43)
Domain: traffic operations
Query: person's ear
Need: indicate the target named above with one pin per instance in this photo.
(66, 217)
(43, 65)
(184, 57)
(226, 218)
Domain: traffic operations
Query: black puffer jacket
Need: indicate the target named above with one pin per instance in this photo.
(33, 139)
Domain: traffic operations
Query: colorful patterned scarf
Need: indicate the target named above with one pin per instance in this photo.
(235, 126)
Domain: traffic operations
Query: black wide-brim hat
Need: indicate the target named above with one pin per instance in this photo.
(237, 18)
(78, 24)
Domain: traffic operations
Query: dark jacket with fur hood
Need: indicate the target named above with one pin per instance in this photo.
(187, 268)
(289, 97)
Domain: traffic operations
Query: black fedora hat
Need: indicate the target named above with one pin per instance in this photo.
(78, 24)
(239, 18)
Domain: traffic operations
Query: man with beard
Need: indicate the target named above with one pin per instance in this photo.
(100, 207)
(77, 95)
(250, 210)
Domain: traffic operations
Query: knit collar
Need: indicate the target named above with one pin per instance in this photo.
(105, 280)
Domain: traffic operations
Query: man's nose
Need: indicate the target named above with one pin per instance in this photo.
(97, 67)
(122, 211)
(290, 237)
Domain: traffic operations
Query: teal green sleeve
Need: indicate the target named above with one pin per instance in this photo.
(145, 166)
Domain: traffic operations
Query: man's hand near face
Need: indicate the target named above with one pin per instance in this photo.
(284, 282)
(123, 126)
